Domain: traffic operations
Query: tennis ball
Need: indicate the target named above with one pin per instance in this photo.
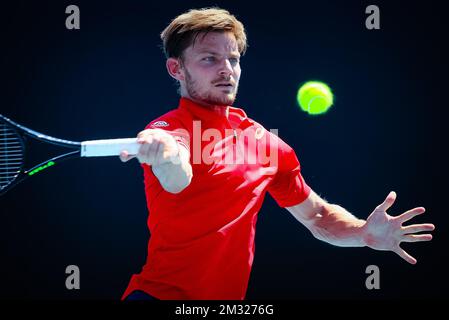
(315, 97)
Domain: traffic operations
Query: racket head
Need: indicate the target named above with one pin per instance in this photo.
(12, 155)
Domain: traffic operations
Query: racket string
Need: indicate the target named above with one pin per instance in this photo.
(11, 155)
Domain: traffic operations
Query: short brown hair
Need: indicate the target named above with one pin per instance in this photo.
(184, 29)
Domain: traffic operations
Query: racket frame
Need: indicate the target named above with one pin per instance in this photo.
(22, 132)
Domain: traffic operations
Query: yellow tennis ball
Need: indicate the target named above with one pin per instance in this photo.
(315, 97)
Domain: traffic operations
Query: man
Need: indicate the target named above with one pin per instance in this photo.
(203, 192)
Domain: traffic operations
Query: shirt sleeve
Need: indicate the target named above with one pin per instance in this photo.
(288, 187)
(172, 126)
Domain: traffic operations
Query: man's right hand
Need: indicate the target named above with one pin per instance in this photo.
(157, 147)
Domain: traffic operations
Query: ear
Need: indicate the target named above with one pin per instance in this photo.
(175, 69)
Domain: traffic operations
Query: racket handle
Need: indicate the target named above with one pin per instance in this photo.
(109, 147)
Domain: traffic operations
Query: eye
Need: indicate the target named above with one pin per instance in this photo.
(234, 61)
(209, 59)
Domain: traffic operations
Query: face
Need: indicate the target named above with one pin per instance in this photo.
(210, 69)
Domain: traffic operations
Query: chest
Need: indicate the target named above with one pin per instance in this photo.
(234, 155)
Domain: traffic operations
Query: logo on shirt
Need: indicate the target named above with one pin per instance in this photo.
(160, 124)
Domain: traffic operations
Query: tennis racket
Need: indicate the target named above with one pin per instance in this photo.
(13, 153)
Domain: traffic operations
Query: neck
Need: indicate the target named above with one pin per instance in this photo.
(221, 109)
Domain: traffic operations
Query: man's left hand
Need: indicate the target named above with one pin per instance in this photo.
(385, 232)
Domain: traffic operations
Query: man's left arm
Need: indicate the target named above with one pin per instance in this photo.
(335, 225)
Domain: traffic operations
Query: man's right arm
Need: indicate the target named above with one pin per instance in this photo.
(169, 160)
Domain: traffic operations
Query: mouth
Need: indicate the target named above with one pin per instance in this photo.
(225, 86)
(226, 83)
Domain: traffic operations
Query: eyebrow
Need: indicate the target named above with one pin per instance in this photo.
(208, 51)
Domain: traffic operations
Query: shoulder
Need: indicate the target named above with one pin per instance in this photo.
(173, 119)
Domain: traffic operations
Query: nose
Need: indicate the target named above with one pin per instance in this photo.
(226, 69)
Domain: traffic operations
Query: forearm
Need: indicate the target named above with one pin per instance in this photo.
(174, 176)
(335, 225)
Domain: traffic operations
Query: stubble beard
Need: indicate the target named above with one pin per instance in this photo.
(208, 98)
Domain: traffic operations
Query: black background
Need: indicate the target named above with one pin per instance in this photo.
(386, 131)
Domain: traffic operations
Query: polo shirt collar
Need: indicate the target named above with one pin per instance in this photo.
(211, 113)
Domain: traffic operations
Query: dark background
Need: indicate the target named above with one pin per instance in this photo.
(386, 131)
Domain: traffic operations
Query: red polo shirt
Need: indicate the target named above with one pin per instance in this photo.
(202, 239)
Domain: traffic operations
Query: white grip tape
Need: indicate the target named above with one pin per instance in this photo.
(110, 147)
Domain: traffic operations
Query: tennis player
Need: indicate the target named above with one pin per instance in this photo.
(205, 178)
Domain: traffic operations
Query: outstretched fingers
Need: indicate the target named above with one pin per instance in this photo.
(404, 255)
(388, 202)
(410, 214)
(417, 237)
(415, 228)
